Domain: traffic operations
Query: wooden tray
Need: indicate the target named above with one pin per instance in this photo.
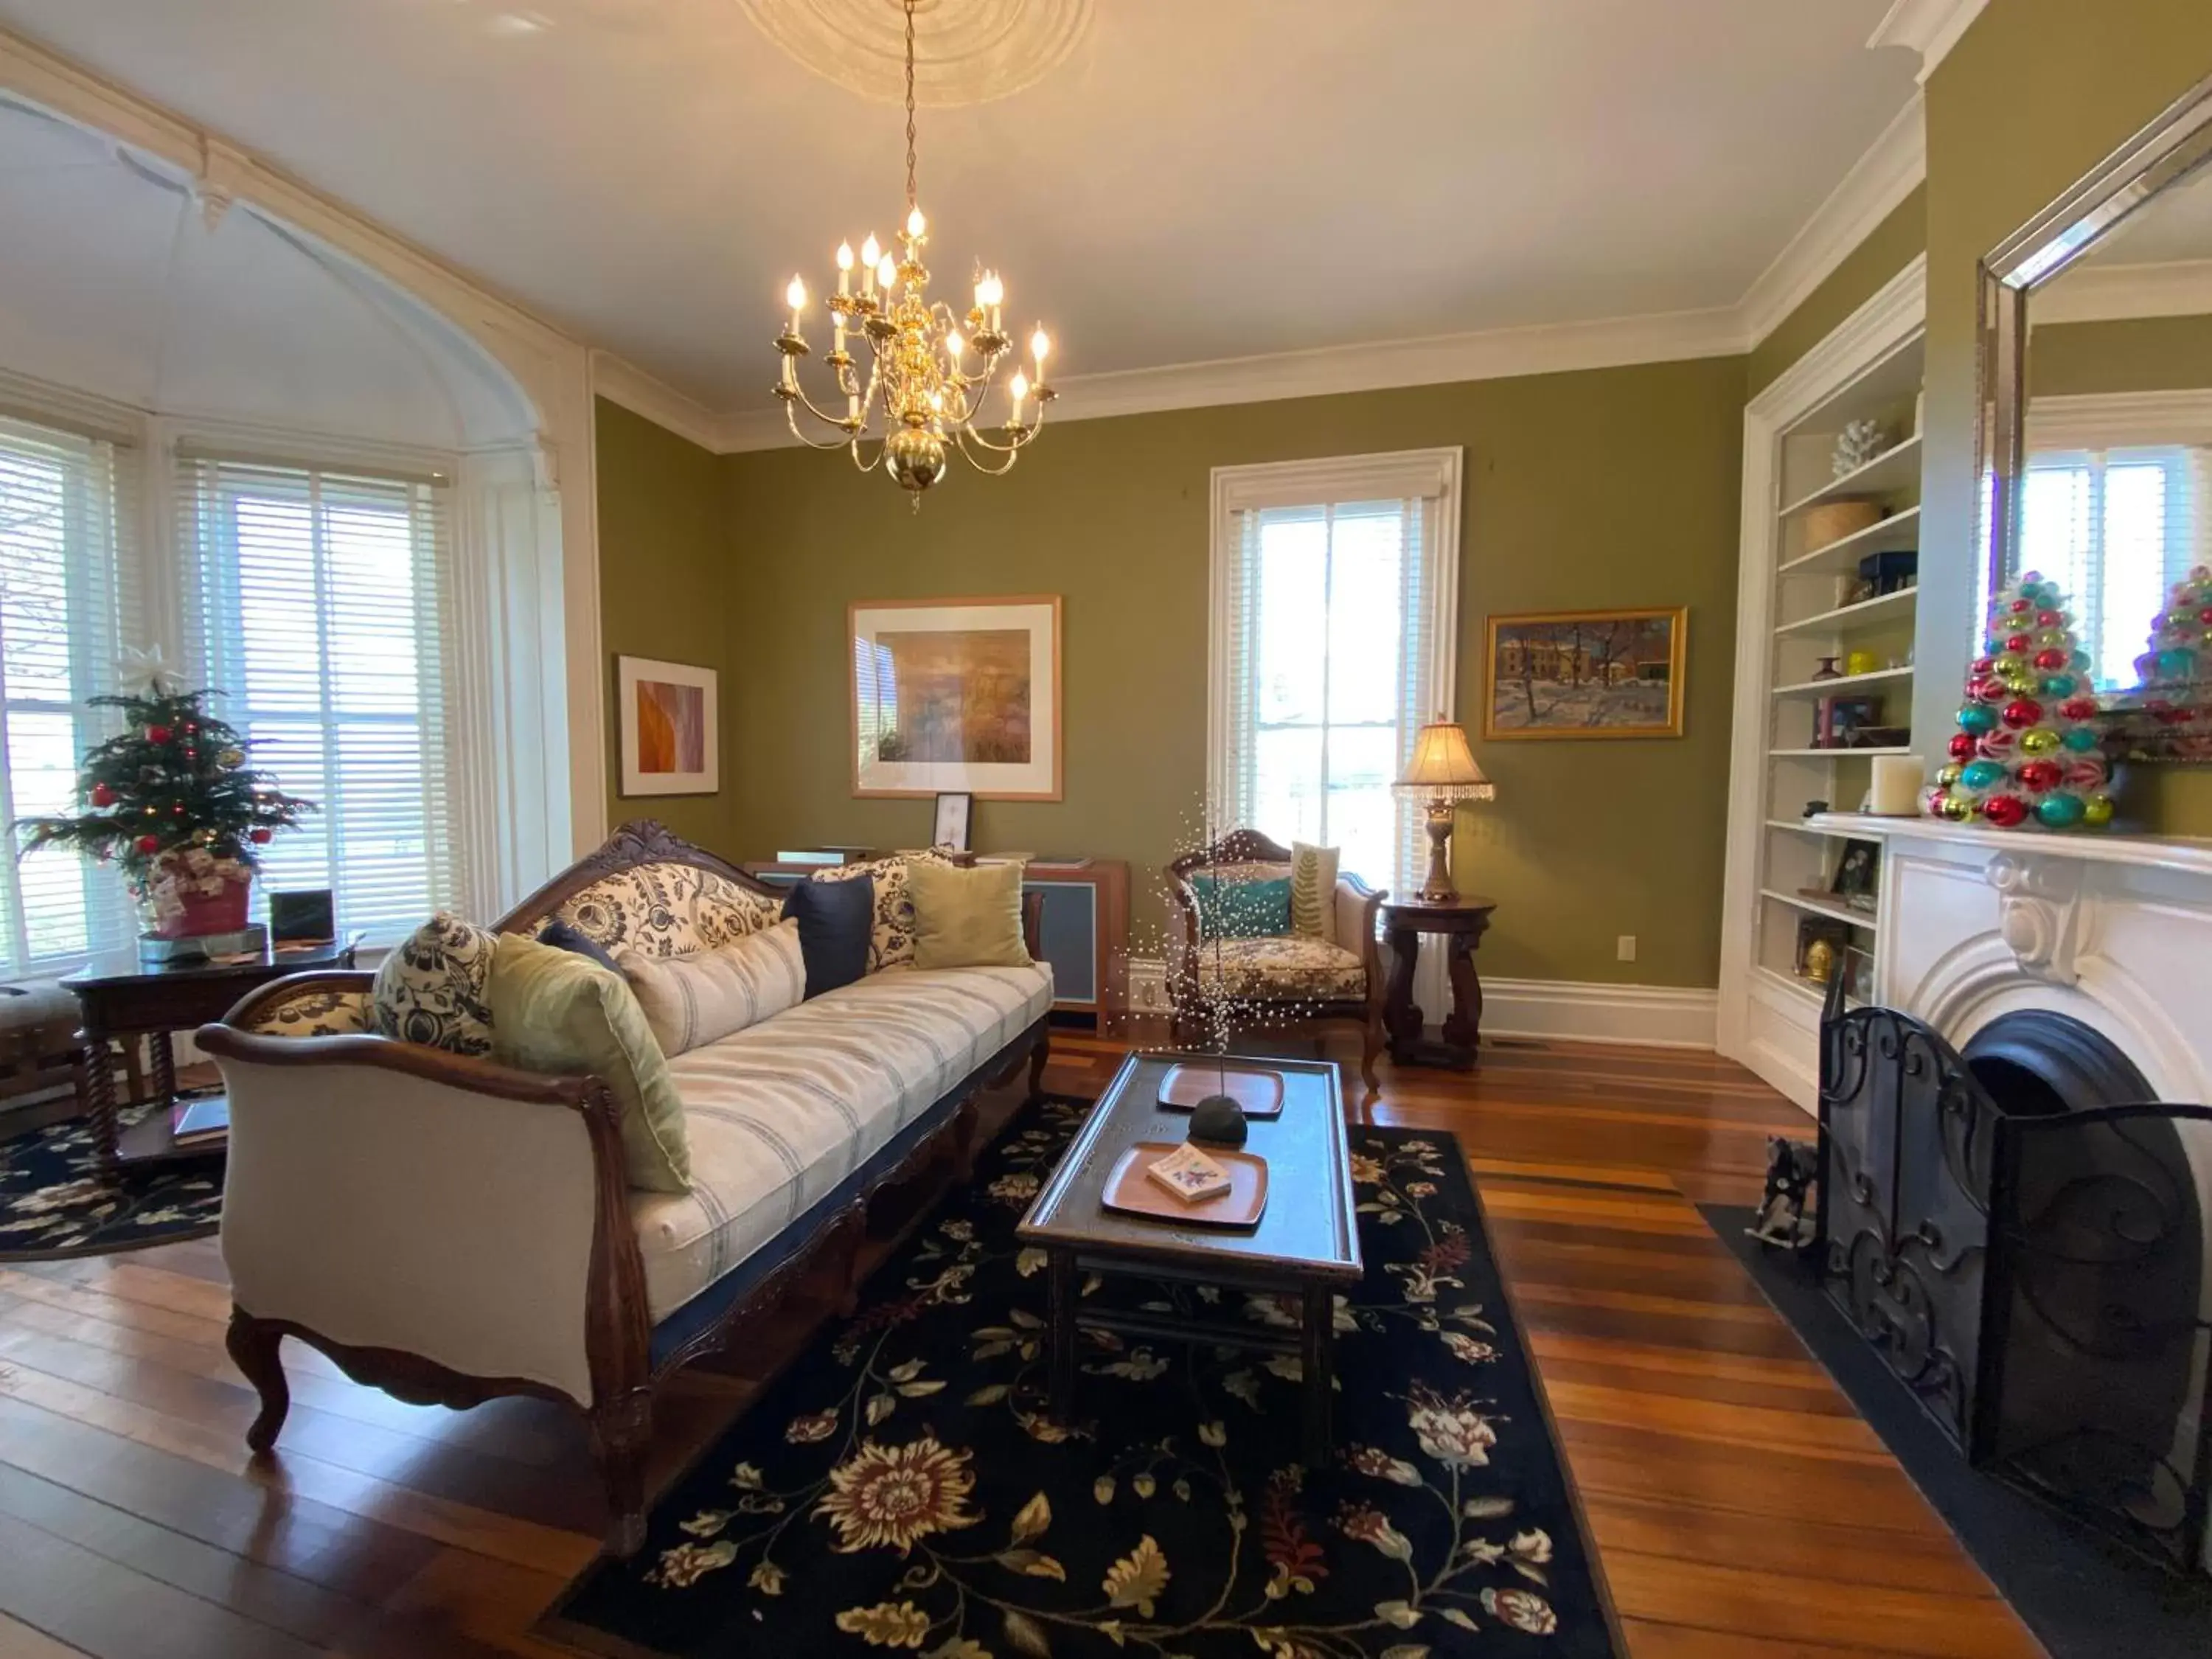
(1258, 1092)
(1132, 1191)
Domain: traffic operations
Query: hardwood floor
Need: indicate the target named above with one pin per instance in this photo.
(1740, 1507)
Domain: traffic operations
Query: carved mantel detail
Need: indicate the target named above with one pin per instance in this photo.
(2040, 914)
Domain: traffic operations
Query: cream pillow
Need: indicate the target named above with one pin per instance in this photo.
(691, 1000)
(1313, 892)
(967, 918)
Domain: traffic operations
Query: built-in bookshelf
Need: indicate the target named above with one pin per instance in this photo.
(1826, 617)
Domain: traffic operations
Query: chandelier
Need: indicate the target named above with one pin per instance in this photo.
(921, 356)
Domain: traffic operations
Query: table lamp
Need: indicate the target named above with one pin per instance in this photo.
(1440, 775)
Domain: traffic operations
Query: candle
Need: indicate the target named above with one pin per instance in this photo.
(1018, 388)
(870, 254)
(844, 267)
(796, 293)
(1897, 780)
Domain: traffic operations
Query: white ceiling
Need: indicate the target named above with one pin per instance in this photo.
(1196, 182)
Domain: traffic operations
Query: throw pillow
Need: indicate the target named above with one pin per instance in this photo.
(690, 1001)
(1313, 891)
(968, 918)
(834, 919)
(430, 990)
(555, 1011)
(891, 942)
(567, 936)
(1241, 910)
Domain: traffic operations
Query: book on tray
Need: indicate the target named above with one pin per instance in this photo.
(198, 1122)
(1189, 1174)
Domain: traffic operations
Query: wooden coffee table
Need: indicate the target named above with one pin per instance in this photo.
(1305, 1245)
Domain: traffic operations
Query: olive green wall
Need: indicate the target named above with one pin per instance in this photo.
(1889, 248)
(2034, 94)
(665, 589)
(2142, 354)
(1614, 486)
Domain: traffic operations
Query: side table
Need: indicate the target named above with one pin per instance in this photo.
(120, 996)
(1463, 922)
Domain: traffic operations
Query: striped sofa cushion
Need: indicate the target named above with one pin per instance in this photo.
(778, 1113)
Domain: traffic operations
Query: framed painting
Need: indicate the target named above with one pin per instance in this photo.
(1585, 674)
(671, 735)
(957, 696)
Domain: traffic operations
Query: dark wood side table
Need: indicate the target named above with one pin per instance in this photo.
(119, 996)
(1463, 922)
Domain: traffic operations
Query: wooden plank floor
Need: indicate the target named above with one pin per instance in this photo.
(1740, 1507)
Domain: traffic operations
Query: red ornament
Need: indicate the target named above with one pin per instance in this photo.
(2051, 660)
(2022, 712)
(2021, 607)
(2047, 619)
(2205, 615)
(147, 844)
(1962, 745)
(1996, 746)
(2004, 811)
(2079, 708)
(2019, 642)
(179, 809)
(102, 795)
(2037, 776)
(1985, 665)
(258, 837)
(158, 734)
(1992, 690)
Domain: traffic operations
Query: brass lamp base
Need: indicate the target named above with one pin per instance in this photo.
(1438, 888)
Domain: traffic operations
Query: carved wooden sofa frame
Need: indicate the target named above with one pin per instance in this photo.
(1356, 902)
(627, 1356)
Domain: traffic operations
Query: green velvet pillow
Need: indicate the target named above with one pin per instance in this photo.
(967, 918)
(1241, 910)
(555, 1011)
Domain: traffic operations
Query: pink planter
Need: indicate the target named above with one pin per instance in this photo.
(207, 912)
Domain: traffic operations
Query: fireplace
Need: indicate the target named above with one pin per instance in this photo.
(2016, 1228)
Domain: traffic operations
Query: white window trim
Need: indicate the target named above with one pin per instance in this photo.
(2120, 420)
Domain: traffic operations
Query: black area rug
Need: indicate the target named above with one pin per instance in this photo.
(54, 1203)
(2082, 1595)
(897, 1488)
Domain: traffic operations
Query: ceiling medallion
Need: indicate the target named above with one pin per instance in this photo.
(979, 50)
(919, 374)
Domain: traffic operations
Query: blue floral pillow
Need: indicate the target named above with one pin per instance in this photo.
(1241, 910)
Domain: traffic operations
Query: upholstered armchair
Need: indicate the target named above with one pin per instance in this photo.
(1307, 978)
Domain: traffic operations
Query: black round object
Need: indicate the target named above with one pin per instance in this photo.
(1218, 1121)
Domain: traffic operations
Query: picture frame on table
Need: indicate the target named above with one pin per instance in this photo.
(1814, 932)
(1857, 878)
(957, 696)
(670, 720)
(955, 809)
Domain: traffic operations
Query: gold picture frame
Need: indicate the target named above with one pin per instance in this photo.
(956, 696)
(1613, 673)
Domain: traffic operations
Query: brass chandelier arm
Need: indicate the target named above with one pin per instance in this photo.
(791, 417)
(966, 442)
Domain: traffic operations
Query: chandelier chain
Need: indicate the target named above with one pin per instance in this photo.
(912, 200)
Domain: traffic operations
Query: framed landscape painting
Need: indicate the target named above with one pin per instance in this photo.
(1585, 674)
(957, 696)
(670, 740)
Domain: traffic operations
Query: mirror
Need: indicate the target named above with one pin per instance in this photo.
(2098, 395)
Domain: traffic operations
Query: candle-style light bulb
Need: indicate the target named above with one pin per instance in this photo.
(915, 224)
(844, 267)
(871, 251)
(1018, 388)
(886, 273)
(1040, 348)
(954, 345)
(796, 295)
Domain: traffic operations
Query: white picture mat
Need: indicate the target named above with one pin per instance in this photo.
(1039, 778)
(630, 671)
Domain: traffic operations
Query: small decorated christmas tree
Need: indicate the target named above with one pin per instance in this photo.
(2026, 747)
(2173, 696)
(171, 800)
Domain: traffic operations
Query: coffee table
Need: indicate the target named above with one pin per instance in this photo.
(1305, 1244)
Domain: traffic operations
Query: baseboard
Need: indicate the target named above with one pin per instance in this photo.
(1570, 1011)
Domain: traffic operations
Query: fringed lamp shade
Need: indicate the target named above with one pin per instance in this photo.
(1442, 773)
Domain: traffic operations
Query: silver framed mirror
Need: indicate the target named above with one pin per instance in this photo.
(2095, 447)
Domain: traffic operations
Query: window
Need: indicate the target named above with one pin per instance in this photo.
(1334, 596)
(63, 618)
(317, 606)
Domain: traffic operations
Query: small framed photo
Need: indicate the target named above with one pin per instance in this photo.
(953, 814)
(1858, 874)
(671, 743)
(304, 917)
(1821, 942)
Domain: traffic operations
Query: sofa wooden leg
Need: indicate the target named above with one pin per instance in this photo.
(965, 1122)
(1038, 1056)
(254, 1349)
(621, 1436)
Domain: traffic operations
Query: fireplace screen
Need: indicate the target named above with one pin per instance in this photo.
(2018, 1231)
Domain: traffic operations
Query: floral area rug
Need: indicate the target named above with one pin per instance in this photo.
(900, 1489)
(54, 1202)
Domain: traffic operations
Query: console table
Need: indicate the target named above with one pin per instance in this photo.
(1463, 922)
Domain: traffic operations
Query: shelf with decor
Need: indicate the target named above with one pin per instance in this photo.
(1883, 611)
(1898, 533)
(1836, 682)
(1896, 468)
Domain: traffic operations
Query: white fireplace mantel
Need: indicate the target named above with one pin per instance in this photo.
(2179, 852)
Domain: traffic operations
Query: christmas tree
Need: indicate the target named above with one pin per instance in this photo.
(170, 798)
(2174, 676)
(2025, 747)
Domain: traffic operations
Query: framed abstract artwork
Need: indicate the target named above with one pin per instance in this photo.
(957, 696)
(1585, 674)
(671, 735)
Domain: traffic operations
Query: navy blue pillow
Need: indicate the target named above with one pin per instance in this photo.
(836, 920)
(562, 936)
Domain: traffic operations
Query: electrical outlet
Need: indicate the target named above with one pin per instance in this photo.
(1626, 949)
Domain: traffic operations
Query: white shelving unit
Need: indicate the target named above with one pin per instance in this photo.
(1799, 601)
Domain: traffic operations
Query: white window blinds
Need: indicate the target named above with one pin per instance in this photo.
(317, 610)
(1335, 616)
(66, 609)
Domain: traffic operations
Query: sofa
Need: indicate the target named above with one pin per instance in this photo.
(450, 1229)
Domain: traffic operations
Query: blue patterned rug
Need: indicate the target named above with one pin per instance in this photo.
(54, 1202)
(899, 1487)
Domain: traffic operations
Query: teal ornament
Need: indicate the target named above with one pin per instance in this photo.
(1982, 774)
(2059, 810)
(2081, 740)
(2080, 663)
(2058, 685)
(2175, 663)
(1976, 718)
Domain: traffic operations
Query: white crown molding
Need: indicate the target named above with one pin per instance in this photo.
(1930, 27)
(2106, 294)
(1891, 170)
(621, 381)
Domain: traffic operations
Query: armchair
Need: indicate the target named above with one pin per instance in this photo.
(1316, 978)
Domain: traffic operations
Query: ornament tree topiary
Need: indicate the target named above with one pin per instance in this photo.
(2174, 676)
(2027, 748)
(171, 799)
